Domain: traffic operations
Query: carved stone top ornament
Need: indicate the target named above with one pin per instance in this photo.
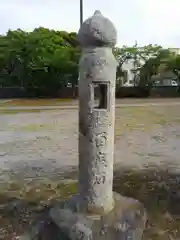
(97, 31)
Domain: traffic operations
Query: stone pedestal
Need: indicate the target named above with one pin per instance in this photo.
(126, 221)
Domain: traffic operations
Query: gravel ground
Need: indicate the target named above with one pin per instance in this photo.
(35, 144)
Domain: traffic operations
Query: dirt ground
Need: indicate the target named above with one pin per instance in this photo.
(38, 153)
(38, 143)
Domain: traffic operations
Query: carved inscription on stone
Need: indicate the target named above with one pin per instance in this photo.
(96, 123)
(98, 118)
(99, 179)
(101, 157)
(101, 139)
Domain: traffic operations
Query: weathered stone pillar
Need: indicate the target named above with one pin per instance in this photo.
(97, 76)
(95, 212)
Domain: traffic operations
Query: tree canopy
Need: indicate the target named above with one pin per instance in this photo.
(48, 59)
(42, 58)
(148, 61)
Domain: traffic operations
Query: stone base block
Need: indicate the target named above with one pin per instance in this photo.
(125, 222)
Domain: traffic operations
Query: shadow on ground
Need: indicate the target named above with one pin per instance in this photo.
(21, 203)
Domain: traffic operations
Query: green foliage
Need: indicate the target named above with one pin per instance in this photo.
(44, 58)
(48, 60)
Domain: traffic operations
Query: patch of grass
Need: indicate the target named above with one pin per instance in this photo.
(32, 127)
(14, 111)
(162, 121)
(129, 119)
(21, 202)
(177, 120)
(144, 119)
(35, 192)
(156, 188)
(37, 102)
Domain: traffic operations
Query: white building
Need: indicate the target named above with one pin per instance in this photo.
(131, 66)
(175, 50)
(131, 71)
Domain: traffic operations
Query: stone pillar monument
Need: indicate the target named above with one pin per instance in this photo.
(96, 212)
(97, 77)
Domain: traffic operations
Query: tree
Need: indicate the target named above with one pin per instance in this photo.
(173, 64)
(144, 61)
(43, 58)
(47, 60)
